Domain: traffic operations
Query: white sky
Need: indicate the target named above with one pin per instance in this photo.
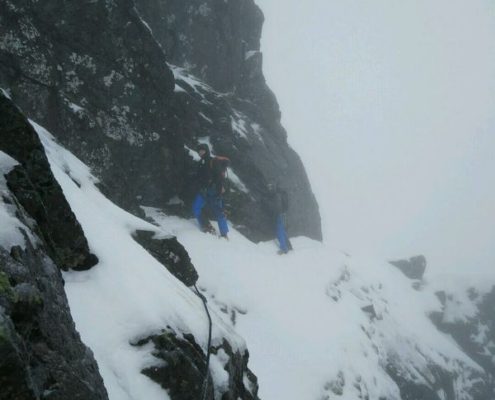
(391, 106)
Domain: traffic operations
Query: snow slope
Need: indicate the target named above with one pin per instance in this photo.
(129, 295)
(300, 314)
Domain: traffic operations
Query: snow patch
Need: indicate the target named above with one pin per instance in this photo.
(250, 53)
(146, 24)
(205, 117)
(111, 77)
(6, 93)
(257, 131)
(85, 61)
(77, 109)
(10, 233)
(178, 89)
(218, 373)
(175, 201)
(6, 165)
(238, 124)
(185, 80)
(232, 176)
(194, 154)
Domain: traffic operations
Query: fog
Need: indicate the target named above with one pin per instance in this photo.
(391, 106)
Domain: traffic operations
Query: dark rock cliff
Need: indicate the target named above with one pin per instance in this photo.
(41, 353)
(36, 190)
(130, 87)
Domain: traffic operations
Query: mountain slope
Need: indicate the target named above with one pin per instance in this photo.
(318, 323)
(96, 76)
(127, 305)
(324, 325)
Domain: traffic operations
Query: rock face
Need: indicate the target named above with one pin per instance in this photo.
(212, 38)
(475, 334)
(130, 87)
(35, 188)
(169, 252)
(421, 372)
(414, 268)
(183, 369)
(41, 353)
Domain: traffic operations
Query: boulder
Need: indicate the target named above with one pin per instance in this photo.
(169, 252)
(181, 369)
(414, 268)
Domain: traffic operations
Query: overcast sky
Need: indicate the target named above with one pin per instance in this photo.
(391, 105)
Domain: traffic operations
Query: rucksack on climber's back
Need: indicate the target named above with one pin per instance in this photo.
(219, 165)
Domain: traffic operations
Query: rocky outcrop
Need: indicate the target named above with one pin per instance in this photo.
(212, 38)
(474, 333)
(419, 372)
(158, 78)
(170, 253)
(414, 268)
(37, 191)
(437, 383)
(41, 353)
(183, 371)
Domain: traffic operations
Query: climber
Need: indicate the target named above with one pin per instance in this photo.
(211, 187)
(278, 205)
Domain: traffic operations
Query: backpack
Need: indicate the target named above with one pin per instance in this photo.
(218, 167)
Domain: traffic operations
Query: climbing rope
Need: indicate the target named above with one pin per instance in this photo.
(207, 372)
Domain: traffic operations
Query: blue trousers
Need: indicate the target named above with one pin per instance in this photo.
(215, 204)
(282, 234)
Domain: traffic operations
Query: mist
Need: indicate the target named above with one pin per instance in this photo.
(391, 106)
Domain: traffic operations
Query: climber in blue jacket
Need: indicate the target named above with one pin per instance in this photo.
(278, 206)
(210, 179)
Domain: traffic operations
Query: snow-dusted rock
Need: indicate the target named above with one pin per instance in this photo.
(413, 268)
(169, 252)
(41, 353)
(38, 193)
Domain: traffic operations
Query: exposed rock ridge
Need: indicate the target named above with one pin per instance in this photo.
(169, 252)
(41, 353)
(475, 334)
(36, 189)
(182, 371)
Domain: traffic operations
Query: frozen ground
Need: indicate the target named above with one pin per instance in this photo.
(299, 314)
